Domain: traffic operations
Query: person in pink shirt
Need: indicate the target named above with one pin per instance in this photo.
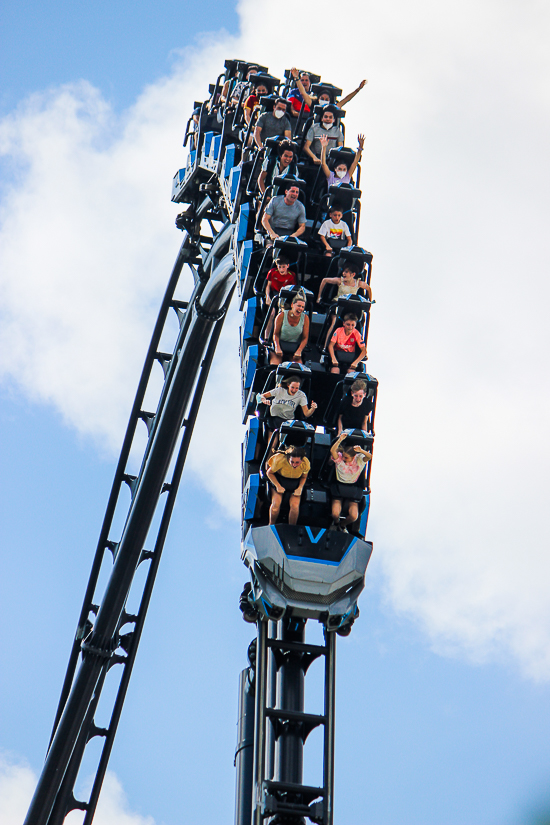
(347, 491)
(343, 345)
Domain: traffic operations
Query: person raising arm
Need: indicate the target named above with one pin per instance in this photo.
(346, 493)
(341, 172)
(309, 100)
(351, 95)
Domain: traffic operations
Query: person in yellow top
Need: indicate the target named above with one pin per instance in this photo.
(287, 473)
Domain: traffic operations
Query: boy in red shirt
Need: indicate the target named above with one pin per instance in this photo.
(343, 344)
(278, 277)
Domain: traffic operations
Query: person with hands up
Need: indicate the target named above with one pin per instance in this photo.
(303, 84)
(346, 493)
(341, 173)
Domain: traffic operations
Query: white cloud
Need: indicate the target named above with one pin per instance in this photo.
(17, 783)
(112, 806)
(455, 183)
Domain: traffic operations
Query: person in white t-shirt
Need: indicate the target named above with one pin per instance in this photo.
(334, 232)
(284, 400)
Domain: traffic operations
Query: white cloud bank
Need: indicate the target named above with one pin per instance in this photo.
(17, 783)
(455, 208)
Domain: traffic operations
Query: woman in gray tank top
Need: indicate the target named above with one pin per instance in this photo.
(291, 331)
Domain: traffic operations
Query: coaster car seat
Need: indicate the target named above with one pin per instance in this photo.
(295, 250)
(284, 297)
(330, 418)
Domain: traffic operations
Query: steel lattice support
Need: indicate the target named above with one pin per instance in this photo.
(99, 642)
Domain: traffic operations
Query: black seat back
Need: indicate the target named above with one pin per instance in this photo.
(341, 389)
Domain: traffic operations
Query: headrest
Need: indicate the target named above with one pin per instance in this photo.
(314, 78)
(295, 434)
(319, 111)
(351, 377)
(295, 246)
(273, 143)
(358, 437)
(343, 192)
(265, 79)
(292, 368)
(286, 293)
(243, 66)
(340, 154)
(285, 181)
(356, 254)
(326, 88)
(297, 425)
(352, 303)
(267, 101)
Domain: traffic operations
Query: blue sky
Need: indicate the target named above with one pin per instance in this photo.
(443, 698)
(118, 47)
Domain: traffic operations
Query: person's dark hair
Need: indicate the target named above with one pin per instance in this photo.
(350, 316)
(295, 452)
(281, 259)
(351, 268)
(335, 207)
(280, 100)
(290, 379)
(348, 450)
(290, 185)
(285, 146)
(358, 385)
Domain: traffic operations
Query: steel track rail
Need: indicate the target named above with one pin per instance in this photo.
(99, 641)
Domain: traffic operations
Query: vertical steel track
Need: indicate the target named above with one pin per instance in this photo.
(273, 790)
